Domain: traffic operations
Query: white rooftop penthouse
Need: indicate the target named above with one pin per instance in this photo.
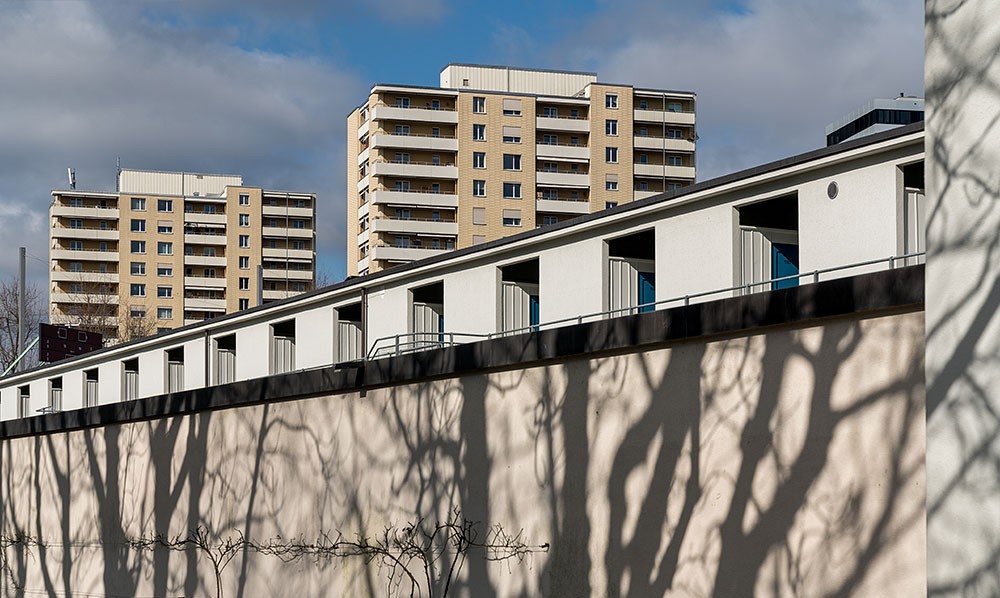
(839, 211)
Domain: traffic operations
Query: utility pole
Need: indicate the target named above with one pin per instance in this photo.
(20, 305)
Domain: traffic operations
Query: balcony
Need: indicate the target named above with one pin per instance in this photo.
(283, 232)
(275, 273)
(87, 232)
(415, 170)
(204, 260)
(268, 210)
(562, 151)
(404, 254)
(74, 212)
(414, 142)
(197, 303)
(415, 226)
(67, 276)
(363, 129)
(428, 115)
(281, 254)
(204, 282)
(363, 264)
(661, 144)
(560, 206)
(644, 194)
(202, 218)
(363, 156)
(363, 237)
(562, 179)
(363, 210)
(415, 198)
(93, 255)
(660, 170)
(562, 123)
(95, 299)
(200, 239)
(663, 116)
(274, 295)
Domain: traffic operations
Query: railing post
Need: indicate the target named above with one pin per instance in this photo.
(687, 300)
(396, 352)
(815, 276)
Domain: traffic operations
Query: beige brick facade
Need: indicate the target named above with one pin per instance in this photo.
(419, 183)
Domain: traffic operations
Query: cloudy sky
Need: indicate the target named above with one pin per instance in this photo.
(262, 88)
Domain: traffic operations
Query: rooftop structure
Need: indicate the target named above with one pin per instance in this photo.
(497, 150)
(876, 116)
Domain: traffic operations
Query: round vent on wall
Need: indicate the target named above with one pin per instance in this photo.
(832, 190)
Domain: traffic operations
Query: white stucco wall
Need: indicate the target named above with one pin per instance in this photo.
(314, 342)
(467, 305)
(571, 280)
(252, 351)
(388, 312)
(694, 253)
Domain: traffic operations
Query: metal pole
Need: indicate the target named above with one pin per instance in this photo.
(20, 304)
(260, 284)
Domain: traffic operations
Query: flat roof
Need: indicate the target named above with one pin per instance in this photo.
(520, 68)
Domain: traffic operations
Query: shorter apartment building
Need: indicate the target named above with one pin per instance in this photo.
(876, 116)
(849, 209)
(495, 151)
(170, 249)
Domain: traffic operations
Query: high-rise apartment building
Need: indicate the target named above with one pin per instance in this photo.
(173, 248)
(495, 151)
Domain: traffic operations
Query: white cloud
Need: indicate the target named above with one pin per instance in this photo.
(769, 78)
(82, 88)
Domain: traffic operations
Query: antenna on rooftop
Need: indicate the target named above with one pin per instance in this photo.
(118, 178)
(71, 174)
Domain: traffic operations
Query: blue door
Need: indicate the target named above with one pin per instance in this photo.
(533, 311)
(647, 290)
(784, 262)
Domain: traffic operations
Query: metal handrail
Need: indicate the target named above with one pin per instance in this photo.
(424, 135)
(385, 161)
(397, 219)
(399, 340)
(563, 144)
(561, 117)
(425, 107)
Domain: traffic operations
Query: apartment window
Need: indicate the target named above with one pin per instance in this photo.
(76, 266)
(208, 251)
(244, 241)
(138, 269)
(76, 223)
(435, 215)
(76, 202)
(138, 204)
(643, 105)
(164, 313)
(164, 205)
(512, 134)
(209, 272)
(209, 209)
(402, 213)
(298, 245)
(610, 204)
(244, 304)
(164, 270)
(549, 220)
(611, 101)
(102, 246)
(244, 219)
(138, 246)
(244, 283)
(283, 347)
(512, 162)
(165, 227)
(435, 131)
(479, 132)
(611, 127)
(574, 140)
(401, 186)
(550, 139)
(512, 190)
(479, 160)
(675, 161)
(643, 186)
(137, 290)
(479, 215)
(164, 248)
(511, 107)
(478, 239)
(611, 182)
(402, 242)
(244, 200)
(402, 158)
(137, 312)
(165, 292)
(244, 262)
(550, 112)
(403, 130)
(478, 105)
(479, 188)
(611, 155)
(138, 225)
(674, 134)
(436, 160)
(550, 167)
(674, 107)
(402, 102)
(673, 186)
(512, 217)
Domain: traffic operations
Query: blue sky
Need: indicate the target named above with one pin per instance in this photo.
(263, 87)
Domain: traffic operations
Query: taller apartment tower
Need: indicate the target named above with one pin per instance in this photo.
(495, 151)
(171, 248)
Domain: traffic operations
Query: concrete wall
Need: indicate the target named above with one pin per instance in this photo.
(962, 81)
(788, 462)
